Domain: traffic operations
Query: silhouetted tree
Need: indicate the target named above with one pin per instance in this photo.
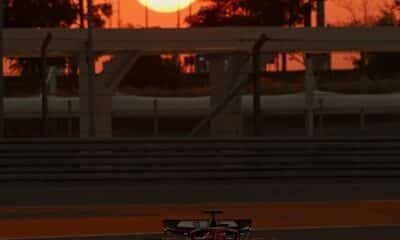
(383, 63)
(48, 14)
(249, 13)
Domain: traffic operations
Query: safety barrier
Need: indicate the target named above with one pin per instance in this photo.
(200, 159)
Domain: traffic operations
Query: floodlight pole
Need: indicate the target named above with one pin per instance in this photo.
(90, 62)
(2, 85)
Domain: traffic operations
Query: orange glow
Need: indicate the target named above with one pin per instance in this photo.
(166, 6)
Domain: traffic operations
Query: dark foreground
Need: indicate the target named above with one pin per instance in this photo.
(356, 233)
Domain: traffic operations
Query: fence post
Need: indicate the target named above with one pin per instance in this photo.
(362, 119)
(70, 119)
(155, 118)
(43, 84)
(321, 116)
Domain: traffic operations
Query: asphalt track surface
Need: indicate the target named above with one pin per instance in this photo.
(348, 233)
(250, 192)
(295, 189)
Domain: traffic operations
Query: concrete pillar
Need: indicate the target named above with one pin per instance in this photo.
(102, 103)
(103, 111)
(229, 122)
(104, 86)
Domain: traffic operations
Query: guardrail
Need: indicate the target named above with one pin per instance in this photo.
(200, 159)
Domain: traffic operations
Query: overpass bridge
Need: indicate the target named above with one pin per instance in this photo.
(70, 42)
(229, 50)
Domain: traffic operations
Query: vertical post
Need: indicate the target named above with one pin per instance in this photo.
(291, 21)
(321, 116)
(321, 13)
(2, 85)
(155, 120)
(256, 84)
(309, 78)
(119, 13)
(284, 62)
(256, 94)
(218, 79)
(70, 118)
(44, 88)
(82, 26)
(90, 63)
(362, 119)
(146, 15)
(81, 14)
(307, 14)
(323, 60)
(309, 85)
(178, 22)
(112, 13)
(225, 116)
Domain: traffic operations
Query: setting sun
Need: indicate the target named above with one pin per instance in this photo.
(166, 6)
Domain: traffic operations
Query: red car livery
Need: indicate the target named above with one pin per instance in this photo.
(213, 229)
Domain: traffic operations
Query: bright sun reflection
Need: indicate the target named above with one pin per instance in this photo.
(166, 6)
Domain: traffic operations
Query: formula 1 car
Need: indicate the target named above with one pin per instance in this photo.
(212, 229)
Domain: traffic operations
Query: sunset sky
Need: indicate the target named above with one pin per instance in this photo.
(132, 12)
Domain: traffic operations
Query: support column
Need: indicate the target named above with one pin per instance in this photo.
(309, 96)
(103, 110)
(102, 104)
(229, 122)
(84, 97)
(104, 86)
